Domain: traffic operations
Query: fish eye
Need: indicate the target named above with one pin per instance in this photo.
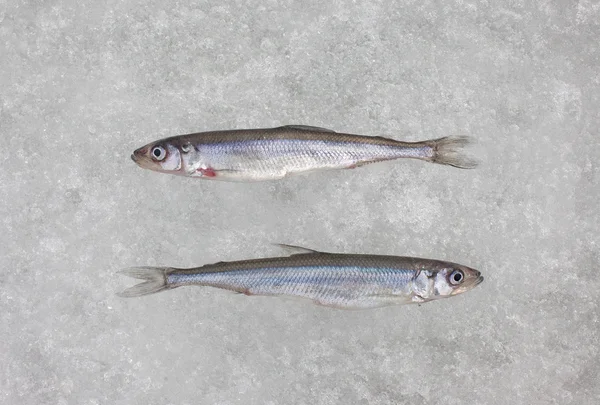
(456, 277)
(158, 153)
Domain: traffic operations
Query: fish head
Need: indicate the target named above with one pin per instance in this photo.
(457, 280)
(446, 280)
(158, 156)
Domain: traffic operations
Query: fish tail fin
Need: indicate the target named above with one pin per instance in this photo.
(156, 280)
(448, 151)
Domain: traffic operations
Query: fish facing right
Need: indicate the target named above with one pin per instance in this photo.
(346, 281)
(274, 153)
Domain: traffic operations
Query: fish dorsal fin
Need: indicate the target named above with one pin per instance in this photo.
(383, 138)
(307, 128)
(297, 250)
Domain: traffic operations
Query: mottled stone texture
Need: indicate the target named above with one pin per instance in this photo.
(84, 83)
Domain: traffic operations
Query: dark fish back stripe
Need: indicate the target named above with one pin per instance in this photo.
(320, 259)
(266, 134)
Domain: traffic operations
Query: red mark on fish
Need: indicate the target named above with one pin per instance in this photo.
(208, 172)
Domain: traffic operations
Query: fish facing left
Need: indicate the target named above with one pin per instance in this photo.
(343, 281)
(274, 153)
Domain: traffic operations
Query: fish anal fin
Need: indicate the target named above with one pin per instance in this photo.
(308, 128)
(367, 162)
(296, 250)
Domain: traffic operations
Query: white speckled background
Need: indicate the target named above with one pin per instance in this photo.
(84, 83)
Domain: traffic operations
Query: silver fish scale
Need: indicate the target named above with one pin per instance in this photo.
(342, 286)
(278, 157)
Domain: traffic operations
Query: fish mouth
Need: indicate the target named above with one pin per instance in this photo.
(478, 278)
(139, 157)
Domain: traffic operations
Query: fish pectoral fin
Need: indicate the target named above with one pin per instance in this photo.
(417, 299)
(308, 128)
(297, 250)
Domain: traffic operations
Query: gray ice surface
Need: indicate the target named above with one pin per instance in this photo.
(84, 83)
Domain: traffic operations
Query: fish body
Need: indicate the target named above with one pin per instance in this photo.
(345, 281)
(273, 153)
